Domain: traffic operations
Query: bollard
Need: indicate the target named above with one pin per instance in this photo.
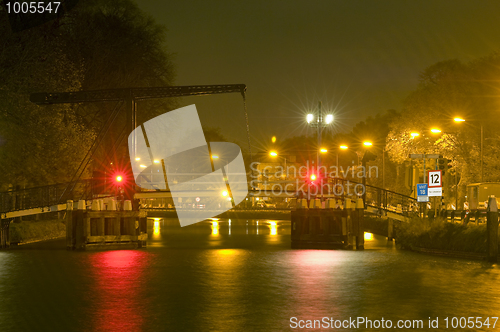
(492, 230)
(311, 204)
(299, 203)
(95, 205)
(303, 201)
(332, 204)
(390, 230)
(111, 205)
(360, 236)
(127, 206)
(70, 227)
(317, 203)
(348, 224)
(81, 205)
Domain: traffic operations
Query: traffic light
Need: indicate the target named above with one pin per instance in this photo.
(443, 164)
(118, 182)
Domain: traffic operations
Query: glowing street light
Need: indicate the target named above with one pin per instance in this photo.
(323, 150)
(341, 147)
(310, 118)
(367, 143)
(435, 131)
(214, 156)
(329, 118)
(413, 135)
(225, 193)
(273, 139)
(273, 154)
(457, 119)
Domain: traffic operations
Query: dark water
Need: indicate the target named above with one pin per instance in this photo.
(243, 278)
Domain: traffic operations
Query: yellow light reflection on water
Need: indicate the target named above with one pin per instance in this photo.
(156, 228)
(368, 236)
(215, 228)
(274, 229)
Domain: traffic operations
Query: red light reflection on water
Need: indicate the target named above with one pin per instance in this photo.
(117, 293)
(313, 291)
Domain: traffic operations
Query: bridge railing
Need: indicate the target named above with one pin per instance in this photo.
(377, 197)
(36, 197)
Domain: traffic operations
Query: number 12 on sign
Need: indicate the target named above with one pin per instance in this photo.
(435, 179)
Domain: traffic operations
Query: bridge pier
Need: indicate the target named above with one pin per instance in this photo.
(4, 233)
(390, 230)
(104, 229)
(328, 227)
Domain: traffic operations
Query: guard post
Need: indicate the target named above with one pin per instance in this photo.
(492, 230)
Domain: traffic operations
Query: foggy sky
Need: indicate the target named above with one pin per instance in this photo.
(357, 57)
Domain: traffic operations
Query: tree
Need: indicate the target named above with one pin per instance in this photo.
(448, 89)
(100, 44)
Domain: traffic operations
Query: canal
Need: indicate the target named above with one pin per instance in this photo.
(238, 277)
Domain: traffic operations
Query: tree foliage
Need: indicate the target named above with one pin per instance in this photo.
(446, 90)
(100, 44)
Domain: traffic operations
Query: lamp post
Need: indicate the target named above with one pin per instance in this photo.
(367, 145)
(342, 147)
(274, 154)
(459, 120)
(316, 120)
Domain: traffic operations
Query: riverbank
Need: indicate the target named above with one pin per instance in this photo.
(442, 238)
(35, 231)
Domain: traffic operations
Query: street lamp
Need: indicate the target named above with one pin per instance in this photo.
(367, 145)
(459, 120)
(318, 121)
(310, 118)
(274, 154)
(342, 147)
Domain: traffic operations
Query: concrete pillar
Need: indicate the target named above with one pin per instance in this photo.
(70, 226)
(360, 213)
(492, 230)
(390, 230)
(80, 232)
(351, 237)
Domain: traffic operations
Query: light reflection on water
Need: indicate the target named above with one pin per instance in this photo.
(238, 279)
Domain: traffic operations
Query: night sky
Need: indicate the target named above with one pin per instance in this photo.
(357, 57)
